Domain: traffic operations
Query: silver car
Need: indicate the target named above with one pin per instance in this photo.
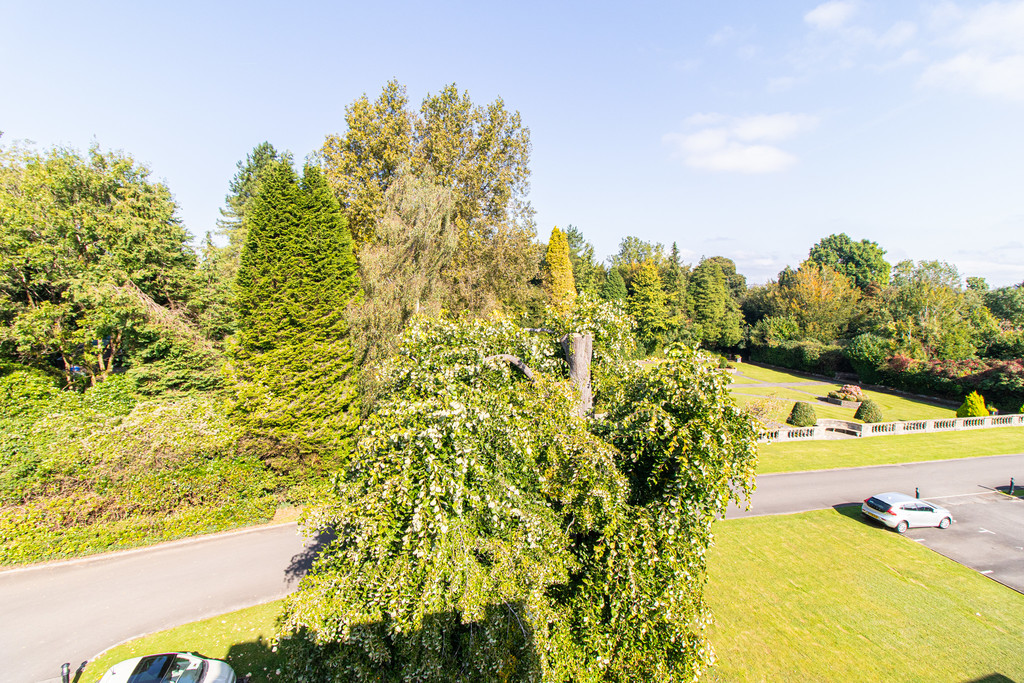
(900, 512)
(170, 667)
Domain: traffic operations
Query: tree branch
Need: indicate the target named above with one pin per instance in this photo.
(515, 362)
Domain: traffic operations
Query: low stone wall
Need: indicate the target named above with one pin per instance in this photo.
(822, 428)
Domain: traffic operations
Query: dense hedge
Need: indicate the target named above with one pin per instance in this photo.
(807, 356)
(1000, 381)
(85, 473)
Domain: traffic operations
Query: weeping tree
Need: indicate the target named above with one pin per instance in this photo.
(488, 532)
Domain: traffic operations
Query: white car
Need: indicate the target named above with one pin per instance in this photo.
(900, 512)
(170, 667)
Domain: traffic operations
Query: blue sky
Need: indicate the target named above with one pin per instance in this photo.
(743, 129)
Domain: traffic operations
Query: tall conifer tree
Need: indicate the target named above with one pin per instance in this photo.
(647, 304)
(558, 280)
(296, 386)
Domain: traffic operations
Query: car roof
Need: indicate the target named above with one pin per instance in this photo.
(893, 497)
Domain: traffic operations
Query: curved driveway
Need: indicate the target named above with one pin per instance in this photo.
(69, 611)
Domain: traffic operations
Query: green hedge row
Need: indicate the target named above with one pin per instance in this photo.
(807, 356)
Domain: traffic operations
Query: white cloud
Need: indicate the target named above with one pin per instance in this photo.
(1001, 77)
(831, 15)
(899, 34)
(989, 44)
(738, 144)
(997, 25)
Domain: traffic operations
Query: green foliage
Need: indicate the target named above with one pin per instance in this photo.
(1007, 303)
(774, 329)
(478, 155)
(587, 273)
(869, 411)
(647, 306)
(218, 266)
(103, 472)
(614, 287)
(973, 406)
(802, 415)
(715, 314)
(484, 533)
(927, 314)
(558, 279)
(808, 356)
(293, 377)
(863, 262)
(821, 301)
(90, 248)
(866, 353)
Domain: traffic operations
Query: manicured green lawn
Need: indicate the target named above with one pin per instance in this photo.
(241, 638)
(797, 456)
(823, 596)
(746, 372)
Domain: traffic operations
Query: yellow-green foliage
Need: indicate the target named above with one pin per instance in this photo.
(973, 406)
(83, 474)
(558, 279)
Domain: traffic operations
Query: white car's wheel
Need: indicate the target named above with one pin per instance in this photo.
(902, 527)
(944, 524)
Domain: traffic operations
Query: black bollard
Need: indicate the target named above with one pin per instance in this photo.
(65, 673)
(917, 492)
(1011, 486)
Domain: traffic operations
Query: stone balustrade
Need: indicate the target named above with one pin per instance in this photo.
(826, 429)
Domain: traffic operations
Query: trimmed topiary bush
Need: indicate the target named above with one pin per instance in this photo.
(973, 406)
(802, 415)
(869, 411)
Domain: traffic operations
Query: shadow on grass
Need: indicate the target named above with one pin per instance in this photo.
(852, 511)
(500, 646)
(991, 678)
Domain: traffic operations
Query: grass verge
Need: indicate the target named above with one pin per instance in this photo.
(823, 596)
(800, 456)
(241, 638)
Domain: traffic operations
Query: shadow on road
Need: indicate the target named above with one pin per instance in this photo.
(301, 563)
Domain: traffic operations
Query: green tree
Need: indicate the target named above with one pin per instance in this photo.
(361, 164)
(218, 265)
(863, 262)
(294, 380)
(927, 314)
(614, 287)
(478, 153)
(1007, 303)
(532, 547)
(558, 280)
(973, 406)
(633, 253)
(715, 314)
(587, 273)
(734, 282)
(90, 250)
(647, 305)
(821, 301)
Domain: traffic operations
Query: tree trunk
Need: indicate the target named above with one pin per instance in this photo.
(579, 349)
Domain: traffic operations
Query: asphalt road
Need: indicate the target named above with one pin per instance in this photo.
(792, 492)
(70, 611)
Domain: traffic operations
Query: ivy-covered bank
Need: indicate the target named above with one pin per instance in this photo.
(82, 473)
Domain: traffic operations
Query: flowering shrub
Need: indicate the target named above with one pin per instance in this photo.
(486, 532)
(848, 392)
